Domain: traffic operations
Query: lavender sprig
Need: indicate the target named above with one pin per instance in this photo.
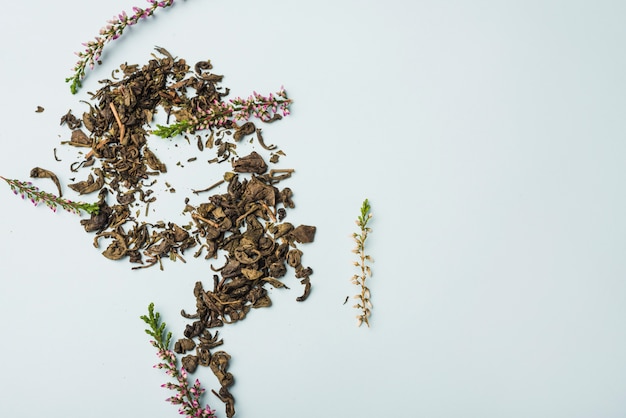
(265, 108)
(364, 304)
(187, 397)
(27, 190)
(112, 31)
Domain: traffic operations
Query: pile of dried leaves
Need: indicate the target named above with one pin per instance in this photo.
(245, 224)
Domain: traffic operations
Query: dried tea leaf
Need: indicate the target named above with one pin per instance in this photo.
(72, 121)
(80, 139)
(304, 233)
(153, 162)
(39, 172)
(256, 190)
(247, 128)
(252, 163)
(90, 185)
(98, 221)
(190, 363)
(117, 249)
(293, 257)
(274, 282)
(251, 274)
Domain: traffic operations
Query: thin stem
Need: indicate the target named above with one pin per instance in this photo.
(364, 304)
(113, 30)
(187, 397)
(219, 114)
(119, 122)
(36, 196)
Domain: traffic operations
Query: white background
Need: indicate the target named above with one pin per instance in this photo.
(488, 136)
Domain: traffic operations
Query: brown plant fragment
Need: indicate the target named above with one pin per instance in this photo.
(190, 363)
(247, 128)
(38, 172)
(72, 121)
(153, 162)
(98, 221)
(219, 366)
(304, 233)
(244, 223)
(118, 247)
(183, 345)
(252, 163)
(80, 139)
(90, 185)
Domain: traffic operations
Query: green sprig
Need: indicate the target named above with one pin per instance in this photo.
(31, 192)
(157, 328)
(113, 30)
(187, 396)
(173, 130)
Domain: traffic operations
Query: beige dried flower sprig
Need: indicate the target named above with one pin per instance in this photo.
(364, 304)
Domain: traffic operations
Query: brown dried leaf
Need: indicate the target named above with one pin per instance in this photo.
(38, 172)
(252, 163)
(304, 234)
(90, 185)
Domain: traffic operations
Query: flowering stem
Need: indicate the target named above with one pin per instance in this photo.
(113, 30)
(36, 196)
(364, 304)
(187, 397)
(219, 114)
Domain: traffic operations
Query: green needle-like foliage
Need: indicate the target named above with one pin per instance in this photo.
(157, 328)
(172, 130)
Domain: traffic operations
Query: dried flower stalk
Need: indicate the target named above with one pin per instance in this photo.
(364, 304)
(27, 190)
(187, 397)
(219, 114)
(113, 30)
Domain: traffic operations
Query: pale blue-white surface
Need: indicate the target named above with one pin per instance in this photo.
(489, 138)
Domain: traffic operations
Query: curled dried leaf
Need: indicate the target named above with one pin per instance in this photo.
(90, 185)
(39, 172)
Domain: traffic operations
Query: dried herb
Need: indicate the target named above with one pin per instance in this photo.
(218, 114)
(38, 173)
(28, 191)
(113, 30)
(117, 127)
(364, 304)
(188, 397)
(243, 224)
(260, 249)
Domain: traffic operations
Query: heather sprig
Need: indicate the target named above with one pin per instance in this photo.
(188, 397)
(29, 191)
(113, 30)
(265, 108)
(364, 304)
